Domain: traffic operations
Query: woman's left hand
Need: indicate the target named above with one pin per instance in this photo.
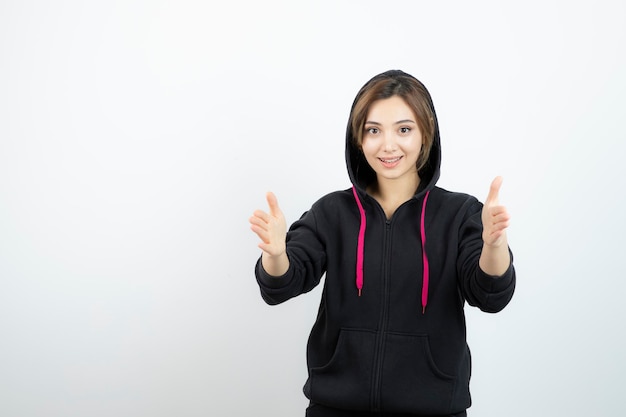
(495, 217)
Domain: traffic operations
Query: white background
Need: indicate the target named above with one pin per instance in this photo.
(137, 137)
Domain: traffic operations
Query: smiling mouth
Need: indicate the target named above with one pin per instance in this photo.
(390, 161)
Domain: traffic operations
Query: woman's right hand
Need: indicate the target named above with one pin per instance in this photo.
(271, 228)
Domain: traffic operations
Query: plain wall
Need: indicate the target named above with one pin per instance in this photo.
(137, 137)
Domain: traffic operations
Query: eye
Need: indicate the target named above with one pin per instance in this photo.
(405, 129)
(372, 130)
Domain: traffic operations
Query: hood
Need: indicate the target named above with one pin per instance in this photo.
(362, 175)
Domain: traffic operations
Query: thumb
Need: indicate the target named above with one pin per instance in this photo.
(494, 191)
(272, 201)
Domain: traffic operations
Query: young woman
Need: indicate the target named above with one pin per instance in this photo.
(401, 258)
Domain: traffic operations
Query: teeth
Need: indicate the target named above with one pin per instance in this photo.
(390, 161)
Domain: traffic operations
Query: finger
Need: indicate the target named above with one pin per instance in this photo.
(272, 201)
(496, 227)
(503, 218)
(257, 221)
(494, 191)
(496, 217)
(262, 216)
(497, 212)
(261, 233)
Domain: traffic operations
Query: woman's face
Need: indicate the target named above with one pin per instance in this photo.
(392, 140)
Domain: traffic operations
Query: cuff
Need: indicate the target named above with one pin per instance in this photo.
(496, 283)
(270, 281)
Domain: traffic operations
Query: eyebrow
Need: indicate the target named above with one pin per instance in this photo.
(369, 122)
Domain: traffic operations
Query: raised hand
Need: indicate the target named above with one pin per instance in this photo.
(271, 228)
(495, 258)
(495, 217)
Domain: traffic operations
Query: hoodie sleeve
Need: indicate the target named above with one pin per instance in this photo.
(307, 263)
(489, 293)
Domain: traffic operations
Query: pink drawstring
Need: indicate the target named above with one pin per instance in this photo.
(426, 274)
(360, 244)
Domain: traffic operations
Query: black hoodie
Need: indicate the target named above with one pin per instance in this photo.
(390, 331)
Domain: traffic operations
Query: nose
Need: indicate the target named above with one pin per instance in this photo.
(390, 142)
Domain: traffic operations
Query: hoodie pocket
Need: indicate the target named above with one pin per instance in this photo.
(345, 381)
(411, 380)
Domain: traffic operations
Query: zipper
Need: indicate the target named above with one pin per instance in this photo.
(382, 328)
(379, 355)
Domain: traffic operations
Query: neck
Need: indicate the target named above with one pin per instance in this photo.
(393, 193)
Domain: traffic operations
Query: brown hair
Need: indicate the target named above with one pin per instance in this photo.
(413, 92)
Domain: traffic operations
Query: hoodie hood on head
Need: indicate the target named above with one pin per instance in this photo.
(362, 175)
